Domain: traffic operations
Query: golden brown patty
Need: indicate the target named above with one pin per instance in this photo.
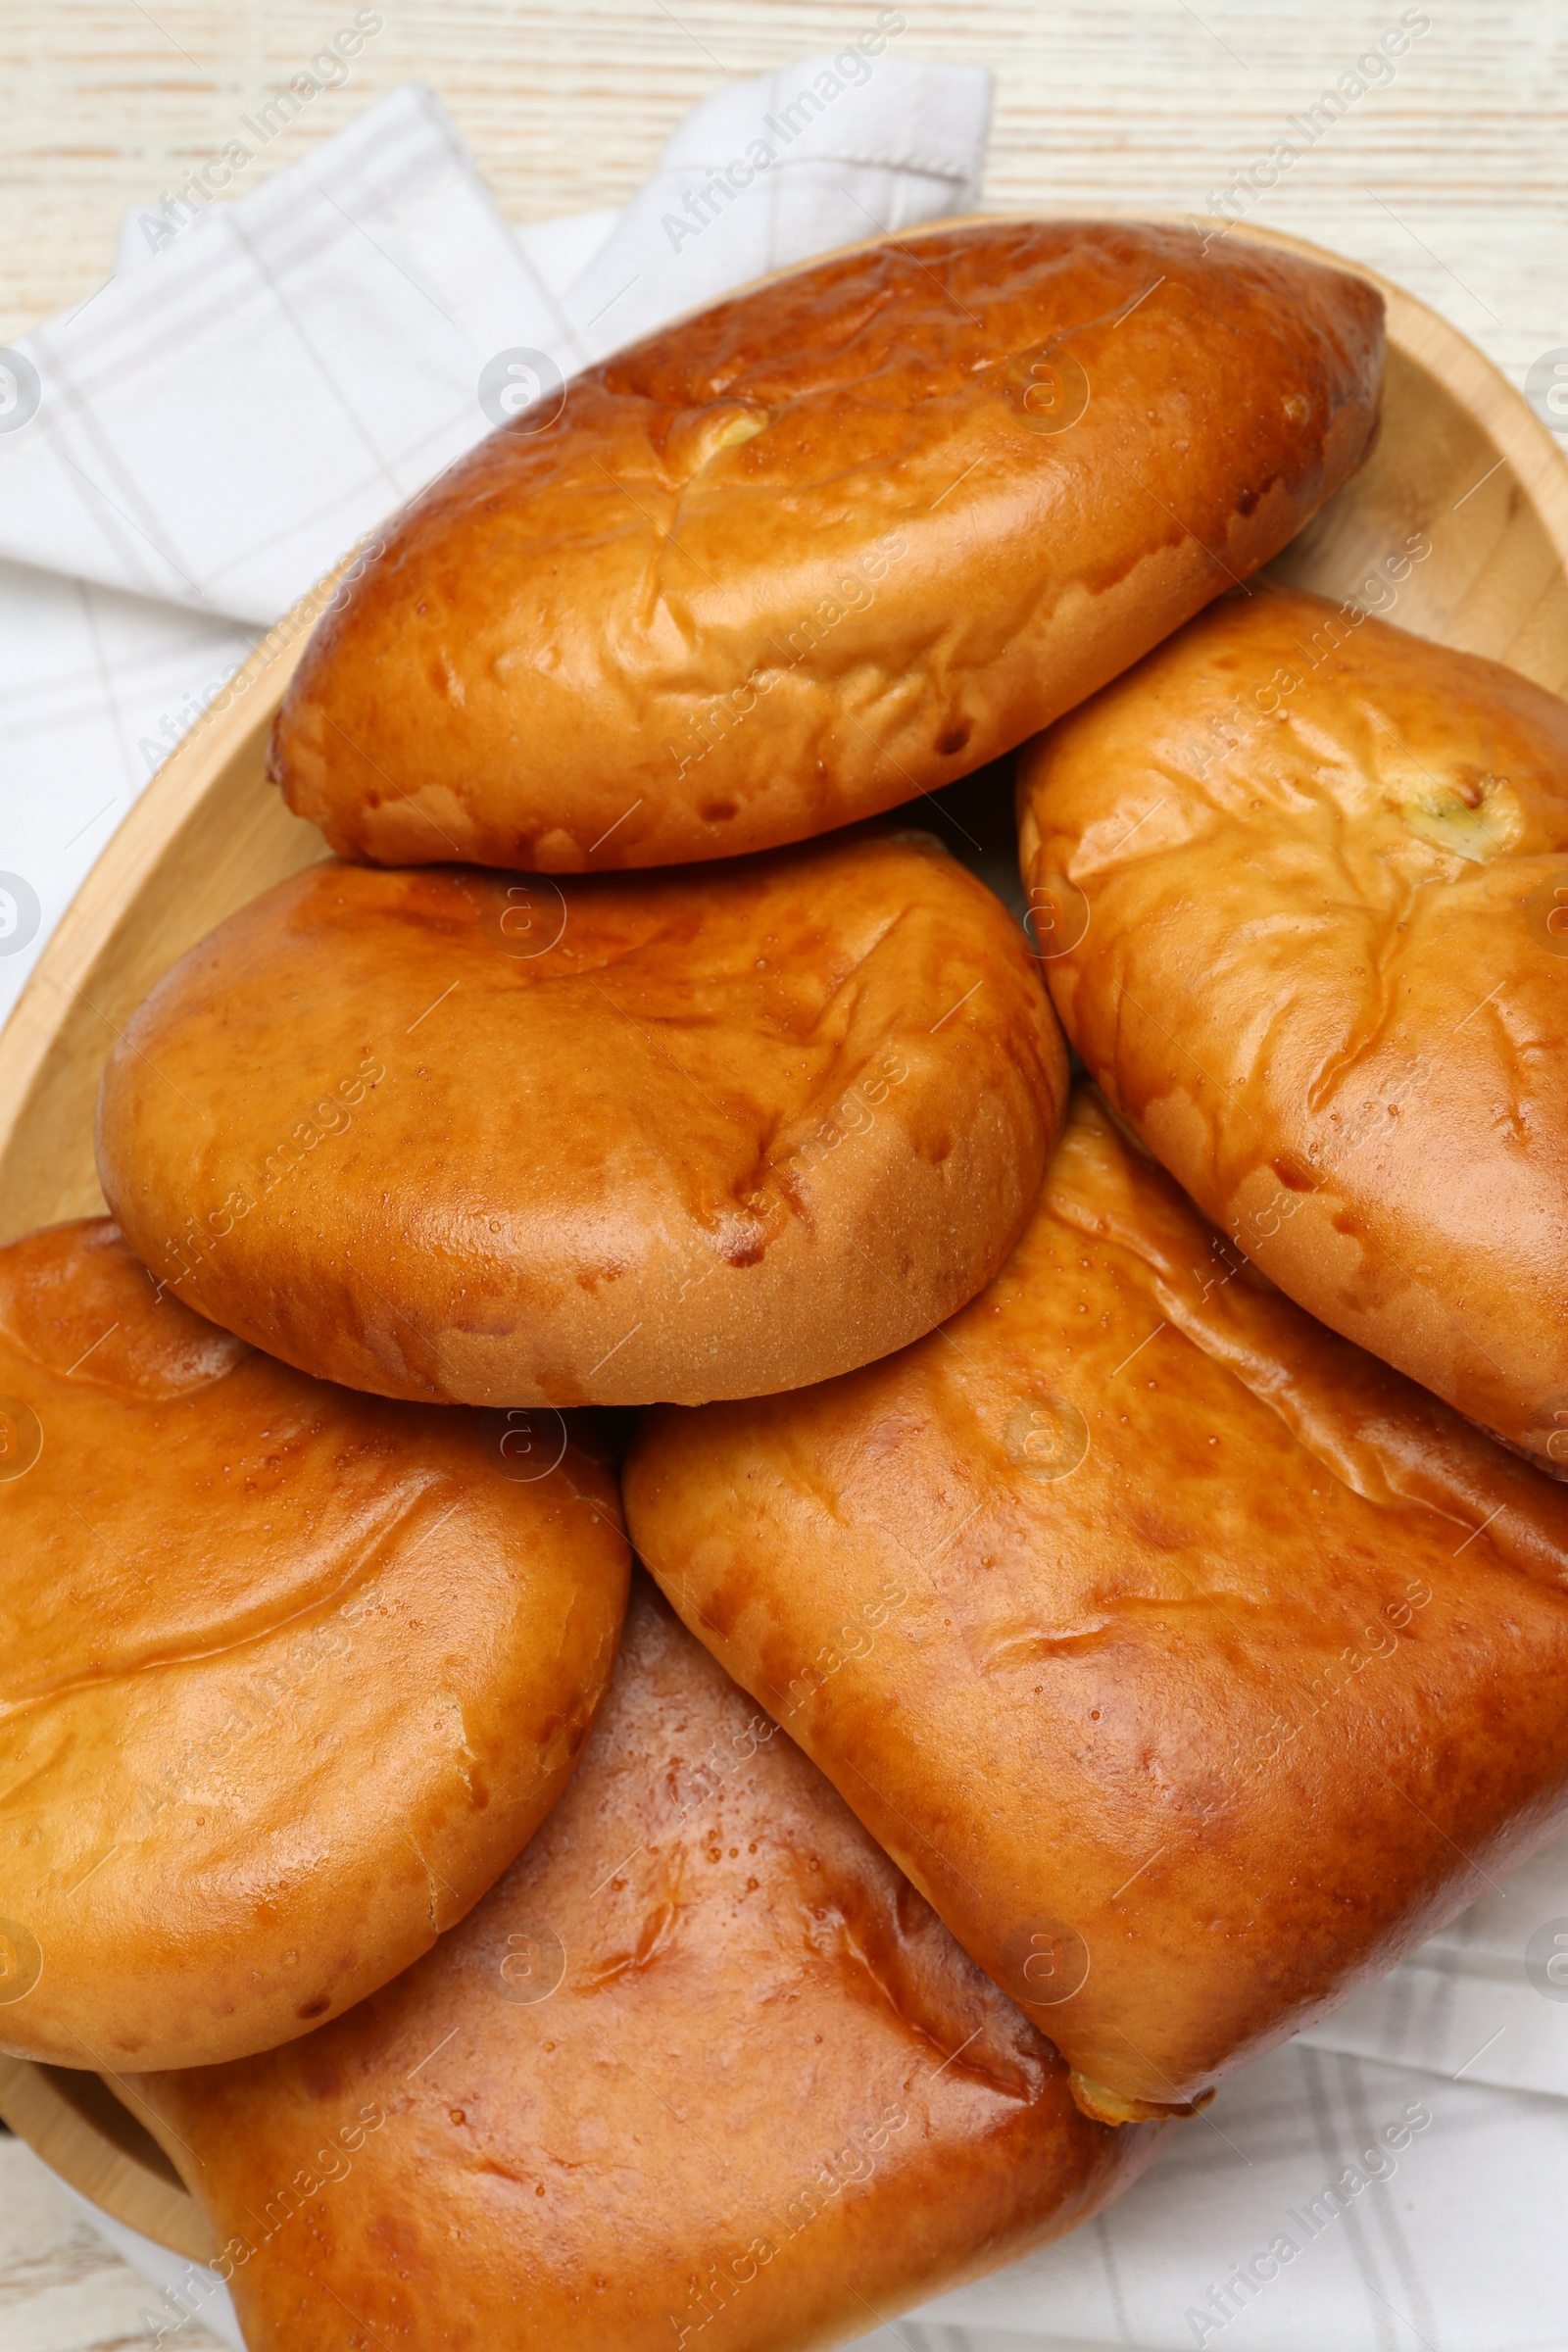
(703, 2062)
(830, 544)
(286, 1675)
(1191, 1661)
(1313, 882)
(441, 1135)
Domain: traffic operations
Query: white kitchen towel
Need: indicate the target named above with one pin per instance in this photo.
(1486, 2001)
(217, 425)
(1324, 2203)
(828, 151)
(182, 455)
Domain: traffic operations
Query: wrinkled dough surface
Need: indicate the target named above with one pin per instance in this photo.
(1319, 869)
(761, 2084)
(824, 547)
(1187, 1658)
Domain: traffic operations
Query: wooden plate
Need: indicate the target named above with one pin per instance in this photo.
(1463, 464)
(85, 2134)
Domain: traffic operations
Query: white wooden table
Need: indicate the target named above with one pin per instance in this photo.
(1453, 178)
(61, 2288)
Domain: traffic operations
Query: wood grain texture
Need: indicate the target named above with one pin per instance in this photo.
(1452, 180)
(83, 2133)
(61, 2287)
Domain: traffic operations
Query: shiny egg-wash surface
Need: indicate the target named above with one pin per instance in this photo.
(1192, 1662)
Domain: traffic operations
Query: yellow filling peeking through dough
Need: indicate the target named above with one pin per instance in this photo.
(1477, 820)
(739, 428)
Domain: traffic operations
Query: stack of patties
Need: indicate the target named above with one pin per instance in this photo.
(1174, 1663)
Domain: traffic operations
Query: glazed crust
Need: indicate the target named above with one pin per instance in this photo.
(679, 1136)
(764, 2101)
(824, 547)
(1193, 1663)
(1314, 873)
(288, 1675)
